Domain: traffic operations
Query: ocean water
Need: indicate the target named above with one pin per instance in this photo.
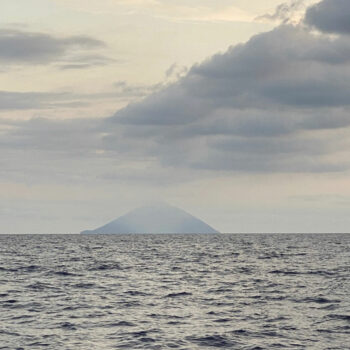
(175, 292)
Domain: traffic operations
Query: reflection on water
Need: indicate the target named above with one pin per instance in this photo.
(175, 292)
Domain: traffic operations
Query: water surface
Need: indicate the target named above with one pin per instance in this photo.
(175, 292)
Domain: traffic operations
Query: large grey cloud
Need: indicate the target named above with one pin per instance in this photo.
(261, 106)
(285, 67)
(22, 47)
(332, 16)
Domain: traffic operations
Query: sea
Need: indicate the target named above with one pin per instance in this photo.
(188, 292)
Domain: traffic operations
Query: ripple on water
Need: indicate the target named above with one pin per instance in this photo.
(177, 295)
(175, 292)
(217, 341)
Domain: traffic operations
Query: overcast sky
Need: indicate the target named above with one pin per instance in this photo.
(236, 111)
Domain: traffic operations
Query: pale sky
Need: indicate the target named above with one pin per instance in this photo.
(235, 111)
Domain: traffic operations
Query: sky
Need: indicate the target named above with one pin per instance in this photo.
(235, 111)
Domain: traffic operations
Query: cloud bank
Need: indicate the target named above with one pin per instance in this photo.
(275, 103)
(330, 16)
(22, 47)
(278, 103)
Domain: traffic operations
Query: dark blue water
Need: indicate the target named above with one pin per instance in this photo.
(175, 292)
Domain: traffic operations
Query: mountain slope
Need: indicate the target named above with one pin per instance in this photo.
(155, 219)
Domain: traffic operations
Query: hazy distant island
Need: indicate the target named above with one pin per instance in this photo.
(156, 218)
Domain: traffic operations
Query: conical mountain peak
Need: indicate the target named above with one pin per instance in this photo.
(155, 218)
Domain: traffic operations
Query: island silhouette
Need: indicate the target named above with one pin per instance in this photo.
(156, 218)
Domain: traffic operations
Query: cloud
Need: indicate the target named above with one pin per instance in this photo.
(86, 61)
(278, 103)
(19, 47)
(11, 100)
(135, 91)
(284, 13)
(42, 151)
(120, 92)
(330, 16)
(175, 71)
(64, 137)
(261, 106)
(35, 100)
